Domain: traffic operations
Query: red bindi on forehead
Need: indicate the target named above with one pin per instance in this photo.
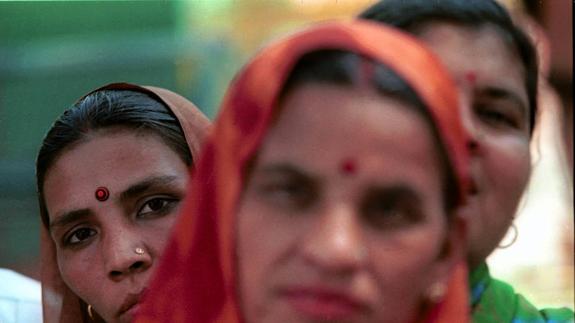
(348, 167)
(471, 77)
(102, 194)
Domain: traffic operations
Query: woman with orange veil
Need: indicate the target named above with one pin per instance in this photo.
(329, 190)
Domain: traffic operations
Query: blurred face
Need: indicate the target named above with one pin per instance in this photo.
(342, 218)
(108, 247)
(490, 78)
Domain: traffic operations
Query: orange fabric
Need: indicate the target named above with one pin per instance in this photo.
(59, 303)
(196, 281)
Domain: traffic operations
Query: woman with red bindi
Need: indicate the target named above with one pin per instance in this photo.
(111, 173)
(329, 191)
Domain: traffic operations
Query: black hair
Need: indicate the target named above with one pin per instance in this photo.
(102, 110)
(344, 68)
(408, 15)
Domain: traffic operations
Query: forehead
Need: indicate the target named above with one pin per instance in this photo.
(114, 159)
(483, 50)
(319, 125)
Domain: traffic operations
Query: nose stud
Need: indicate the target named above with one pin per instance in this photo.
(139, 251)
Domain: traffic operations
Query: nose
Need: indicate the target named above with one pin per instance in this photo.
(124, 254)
(335, 242)
(473, 129)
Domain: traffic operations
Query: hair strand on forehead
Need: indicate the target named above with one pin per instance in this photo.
(108, 109)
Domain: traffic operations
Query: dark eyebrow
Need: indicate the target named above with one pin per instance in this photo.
(501, 93)
(132, 191)
(144, 185)
(69, 217)
(396, 192)
(284, 169)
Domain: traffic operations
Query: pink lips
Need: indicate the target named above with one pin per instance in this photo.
(130, 304)
(323, 303)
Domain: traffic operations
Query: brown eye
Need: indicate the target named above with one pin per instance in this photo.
(287, 192)
(80, 235)
(390, 208)
(157, 207)
(381, 212)
(496, 118)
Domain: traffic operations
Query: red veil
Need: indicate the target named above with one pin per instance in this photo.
(196, 281)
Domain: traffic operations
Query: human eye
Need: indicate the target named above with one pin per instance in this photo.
(157, 207)
(383, 209)
(78, 236)
(495, 117)
(500, 112)
(288, 192)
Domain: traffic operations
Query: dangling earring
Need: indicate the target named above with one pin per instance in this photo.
(436, 292)
(515, 235)
(90, 312)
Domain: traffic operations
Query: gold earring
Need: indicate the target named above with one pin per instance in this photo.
(515, 235)
(436, 292)
(90, 312)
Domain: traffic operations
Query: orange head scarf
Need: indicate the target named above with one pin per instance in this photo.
(196, 280)
(59, 303)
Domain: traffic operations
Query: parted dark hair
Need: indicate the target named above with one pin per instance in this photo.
(102, 109)
(408, 15)
(347, 69)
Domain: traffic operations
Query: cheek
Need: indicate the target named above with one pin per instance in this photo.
(508, 165)
(253, 256)
(82, 273)
(264, 240)
(410, 261)
(157, 233)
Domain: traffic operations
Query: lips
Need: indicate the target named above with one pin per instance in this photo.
(130, 303)
(324, 303)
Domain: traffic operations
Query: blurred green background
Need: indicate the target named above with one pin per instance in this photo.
(53, 52)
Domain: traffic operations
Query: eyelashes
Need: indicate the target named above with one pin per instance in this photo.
(157, 206)
(153, 208)
(79, 236)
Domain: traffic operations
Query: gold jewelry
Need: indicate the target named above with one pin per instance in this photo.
(436, 292)
(90, 312)
(515, 235)
(139, 251)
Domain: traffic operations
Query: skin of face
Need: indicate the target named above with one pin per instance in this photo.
(95, 240)
(320, 243)
(495, 110)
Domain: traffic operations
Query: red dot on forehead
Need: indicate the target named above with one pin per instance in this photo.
(348, 167)
(471, 77)
(102, 193)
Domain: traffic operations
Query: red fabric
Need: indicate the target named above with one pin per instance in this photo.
(196, 281)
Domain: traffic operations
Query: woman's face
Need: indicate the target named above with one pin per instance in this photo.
(107, 249)
(342, 218)
(491, 82)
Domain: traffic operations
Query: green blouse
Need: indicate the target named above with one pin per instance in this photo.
(494, 301)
